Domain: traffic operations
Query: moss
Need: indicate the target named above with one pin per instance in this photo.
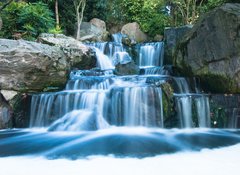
(168, 105)
(217, 84)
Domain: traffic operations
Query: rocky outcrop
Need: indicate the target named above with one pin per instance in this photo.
(95, 31)
(211, 50)
(29, 67)
(133, 31)
(5, 113)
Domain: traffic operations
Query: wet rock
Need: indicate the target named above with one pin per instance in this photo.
(211, 50)
(133, 31)
(129, 68)
(5, 113)
(21, 106)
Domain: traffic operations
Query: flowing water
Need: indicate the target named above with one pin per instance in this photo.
(106, 124)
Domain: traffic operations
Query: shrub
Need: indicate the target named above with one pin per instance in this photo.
(27, 20)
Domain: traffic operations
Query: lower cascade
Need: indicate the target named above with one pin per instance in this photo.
(100, 113)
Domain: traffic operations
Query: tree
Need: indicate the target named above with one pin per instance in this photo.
(79, 6)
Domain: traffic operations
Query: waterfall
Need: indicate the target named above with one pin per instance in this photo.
(120, 101)
(151, 54)
(235, 119)
(117, 37)
(137, 106)
(98, 99)
(184, 105)
(182, 85)
(203, 111)
(189, 101)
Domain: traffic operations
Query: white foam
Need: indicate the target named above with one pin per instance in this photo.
(224, 161)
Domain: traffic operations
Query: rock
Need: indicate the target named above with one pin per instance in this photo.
(8, 94)
(31, 67)
(172, 35)
(21, 105)
(211, 50)
(133, 31)
(79, 55)
(5, 113)
(129, 68)
(97, 33)
(99, 24)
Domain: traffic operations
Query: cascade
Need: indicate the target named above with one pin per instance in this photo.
(151, 54)
(119, 100)
(101, 114)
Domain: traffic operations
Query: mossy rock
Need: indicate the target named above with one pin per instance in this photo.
(217, 84)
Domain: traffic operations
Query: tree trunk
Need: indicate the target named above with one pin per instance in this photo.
(57, 15)
(79, 7)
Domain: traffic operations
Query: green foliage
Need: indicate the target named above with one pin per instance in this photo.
(148, 13)
(211, 4)
(26, 19)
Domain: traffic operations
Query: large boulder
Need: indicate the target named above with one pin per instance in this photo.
(133, 31)
(29, 67)
(211, 50)
(99, 23)
(5, 113)
(78, 55)
(95, 31)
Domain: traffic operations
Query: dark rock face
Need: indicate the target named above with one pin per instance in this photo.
(30, 67)
(5, 113)
(171, 36)
(211, 50)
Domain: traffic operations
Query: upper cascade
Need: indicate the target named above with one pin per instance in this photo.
(148, 55)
